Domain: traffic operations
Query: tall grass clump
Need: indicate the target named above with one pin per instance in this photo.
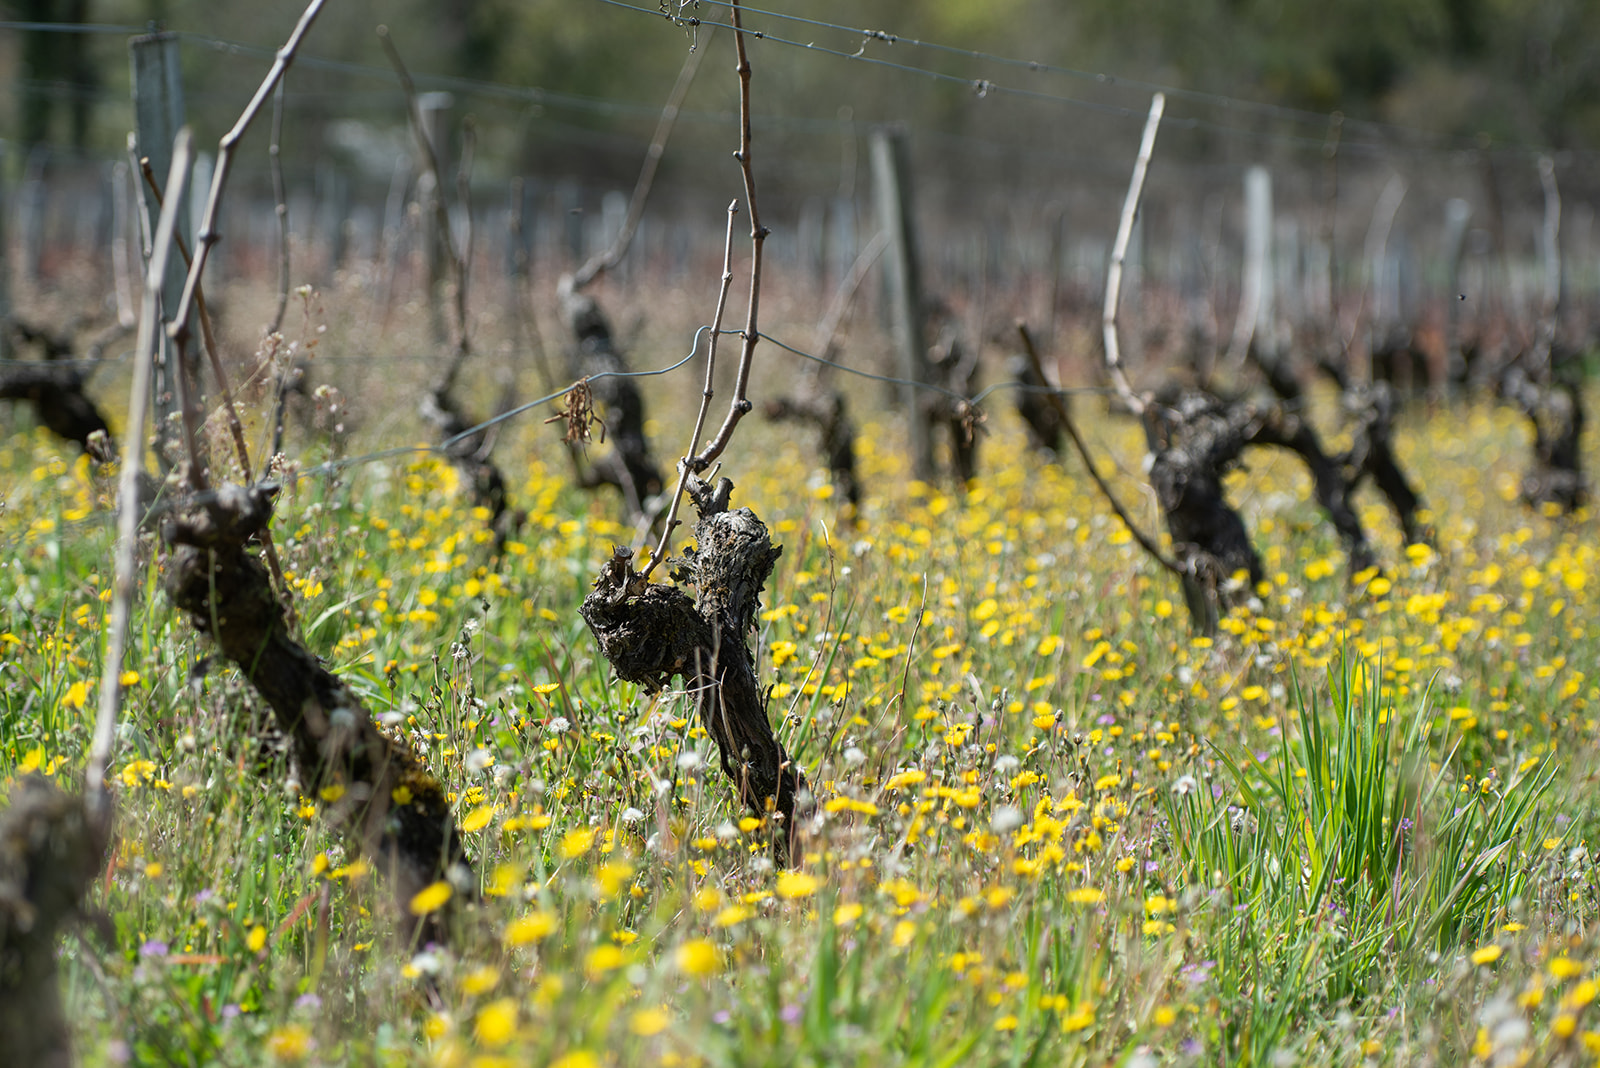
(1356, 859)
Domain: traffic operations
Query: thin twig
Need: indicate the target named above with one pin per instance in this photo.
(740, 406)
(128, 503)
(281, 206)
(469, 145)
(208, 236)
(1119, 251)
(141, 209)
(686, 464)
(430, 161)
(608, 259)
(522, 315)
(1145, 542)
(230, 411)
(828, 326)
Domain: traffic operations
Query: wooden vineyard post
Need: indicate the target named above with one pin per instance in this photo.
(1254, 325)
(1055, 222)
(1258, 212)
(1457, 214)
(892, 189)
(5, 270)
(158, 115)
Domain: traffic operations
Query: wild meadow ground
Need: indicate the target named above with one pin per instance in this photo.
(1053, 827)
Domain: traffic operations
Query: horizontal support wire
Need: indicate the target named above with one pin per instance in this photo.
(441, 448)
(1396, 139)
(1276, 111)
(981, 87)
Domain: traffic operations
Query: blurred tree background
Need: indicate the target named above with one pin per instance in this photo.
(1522, 71)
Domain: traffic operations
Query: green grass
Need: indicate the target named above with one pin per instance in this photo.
(1054, 829)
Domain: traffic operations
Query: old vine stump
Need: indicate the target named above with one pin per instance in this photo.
(396, 812)
(50, 850)
(653, 633)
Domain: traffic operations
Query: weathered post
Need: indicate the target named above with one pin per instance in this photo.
(5, 271)
(158, 115)
(1457, 214)
(121, 264)
(1383, 297)
(893, 194)
(204, 167)
(1055, 222)
(32, 197)
(1254, 324)
(1288, 307)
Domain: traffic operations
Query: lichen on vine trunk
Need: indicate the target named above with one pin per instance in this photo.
(653, 633)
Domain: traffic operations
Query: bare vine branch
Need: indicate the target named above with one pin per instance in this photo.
(1145, 541)
(685, 465)
(178, 329)
(208, 236)
(740, 406)
(430, 160)
(281, 208)
(608, 259)
(208, 341)
(1119, 251)
(128, 504)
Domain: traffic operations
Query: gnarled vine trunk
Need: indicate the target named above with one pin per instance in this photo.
(396, 812)
(654, 633)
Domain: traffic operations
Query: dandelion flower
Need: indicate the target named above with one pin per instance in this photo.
(793, 885)
(430, 899)
(698, 957)
(651, 1021)
(530, 928)
(496, 1022)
